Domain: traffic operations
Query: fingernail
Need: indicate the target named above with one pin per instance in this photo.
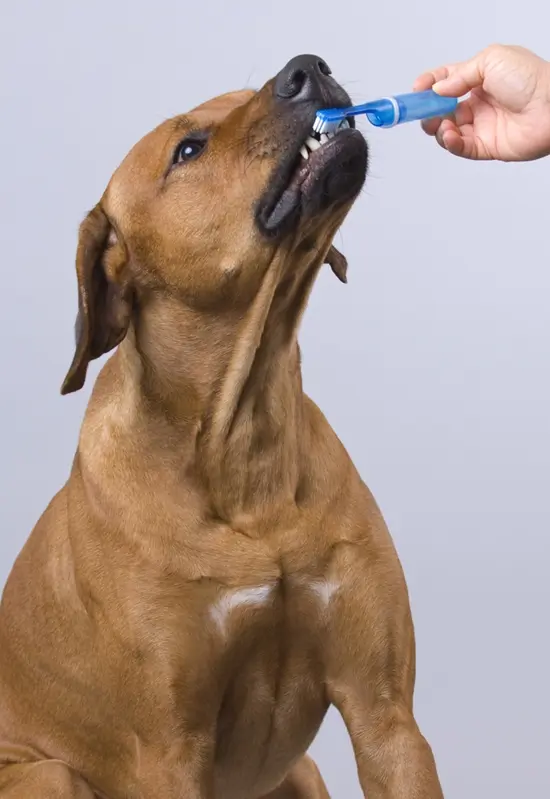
(437, 86)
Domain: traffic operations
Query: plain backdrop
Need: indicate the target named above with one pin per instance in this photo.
(433, 364)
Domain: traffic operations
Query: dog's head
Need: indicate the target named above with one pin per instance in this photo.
(207, 203)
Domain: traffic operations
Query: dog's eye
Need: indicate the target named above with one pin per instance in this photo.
(189, 149)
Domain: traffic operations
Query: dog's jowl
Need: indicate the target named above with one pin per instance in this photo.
(214, 574)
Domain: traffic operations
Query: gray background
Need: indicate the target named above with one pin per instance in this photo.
(432, 365)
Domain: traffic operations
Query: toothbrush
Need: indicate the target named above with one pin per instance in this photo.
(388, 111)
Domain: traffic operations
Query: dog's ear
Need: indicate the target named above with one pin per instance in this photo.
(338, 263)
(104, 295)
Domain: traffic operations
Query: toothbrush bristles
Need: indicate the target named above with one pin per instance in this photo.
(324, 125)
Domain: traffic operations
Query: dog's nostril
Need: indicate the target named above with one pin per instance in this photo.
(298, 79)
(302, 78)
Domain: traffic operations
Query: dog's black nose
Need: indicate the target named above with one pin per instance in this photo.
(302, 78)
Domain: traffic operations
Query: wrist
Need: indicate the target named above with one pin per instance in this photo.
(546, 80)
(546, 95)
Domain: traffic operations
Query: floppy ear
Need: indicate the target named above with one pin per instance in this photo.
(104, 296)
(338, 263)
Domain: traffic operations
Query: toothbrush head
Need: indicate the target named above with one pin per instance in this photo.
(328, 120)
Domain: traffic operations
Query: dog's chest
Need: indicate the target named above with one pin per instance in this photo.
(233, 603)
(291, 595)
(270, 637)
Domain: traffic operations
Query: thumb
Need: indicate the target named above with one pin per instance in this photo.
(462, 78)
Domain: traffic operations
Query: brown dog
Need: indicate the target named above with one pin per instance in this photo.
(215, 573)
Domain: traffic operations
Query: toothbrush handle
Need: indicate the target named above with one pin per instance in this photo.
(423, 105)
(390, 111)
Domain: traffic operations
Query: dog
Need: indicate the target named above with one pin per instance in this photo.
(214, 574)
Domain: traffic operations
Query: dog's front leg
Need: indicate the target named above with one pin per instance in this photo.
(370, 654)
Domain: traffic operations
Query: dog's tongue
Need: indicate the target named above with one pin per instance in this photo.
(288, 202)
(289, 198)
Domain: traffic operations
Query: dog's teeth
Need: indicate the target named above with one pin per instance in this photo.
(324, 138)
(313, 144)
(304, 152)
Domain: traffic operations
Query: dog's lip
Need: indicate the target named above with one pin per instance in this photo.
(296, 177)
(305, 168)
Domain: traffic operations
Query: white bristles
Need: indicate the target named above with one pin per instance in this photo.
(329, 126)
(320, 125)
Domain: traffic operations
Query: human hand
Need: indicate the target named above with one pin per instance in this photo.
(507, 114)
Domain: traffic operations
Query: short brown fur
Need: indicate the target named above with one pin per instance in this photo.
(215, 573)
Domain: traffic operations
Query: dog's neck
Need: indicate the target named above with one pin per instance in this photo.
(230, 387)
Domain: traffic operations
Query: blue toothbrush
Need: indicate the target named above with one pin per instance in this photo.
(388, 111)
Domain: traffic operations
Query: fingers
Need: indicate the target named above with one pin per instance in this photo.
(464, 115)
(449, 137)
(455, 80)
(461, 79)
(431, 126)
(456, 133)
(460, 140)
(427, 80)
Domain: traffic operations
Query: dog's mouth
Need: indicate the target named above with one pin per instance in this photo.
(320, 171)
